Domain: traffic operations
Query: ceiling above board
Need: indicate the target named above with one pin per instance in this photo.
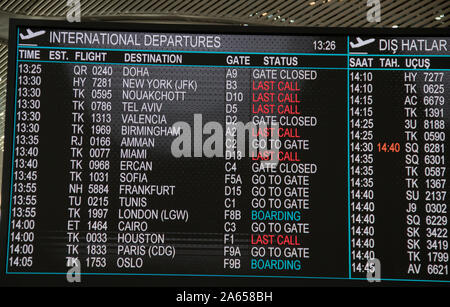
(321, 13)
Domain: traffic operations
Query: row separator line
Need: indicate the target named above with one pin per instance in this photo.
(237, 52)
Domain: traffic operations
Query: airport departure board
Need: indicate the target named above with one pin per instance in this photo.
(179, 154)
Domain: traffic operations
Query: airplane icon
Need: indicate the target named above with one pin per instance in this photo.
(30, 34)
(361, 42)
